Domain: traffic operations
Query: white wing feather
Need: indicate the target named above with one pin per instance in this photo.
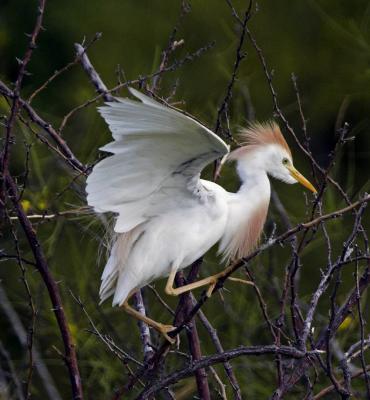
(158, 153)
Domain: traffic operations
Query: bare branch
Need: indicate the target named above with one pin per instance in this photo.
(222, 357)
(53, 290)
(143, 327)
(91, 73)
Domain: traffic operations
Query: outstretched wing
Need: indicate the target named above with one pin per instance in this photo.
(157, 153)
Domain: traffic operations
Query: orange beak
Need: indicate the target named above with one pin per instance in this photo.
(301, 179)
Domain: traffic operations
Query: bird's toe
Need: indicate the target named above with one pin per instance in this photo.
(165, 329)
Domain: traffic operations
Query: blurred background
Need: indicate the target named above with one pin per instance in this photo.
(325, 44)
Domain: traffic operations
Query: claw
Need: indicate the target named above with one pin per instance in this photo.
(164, 329)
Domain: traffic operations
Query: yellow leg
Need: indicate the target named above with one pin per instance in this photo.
(163, 329)
(210, 280)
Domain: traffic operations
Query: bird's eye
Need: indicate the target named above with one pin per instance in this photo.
(285, 161)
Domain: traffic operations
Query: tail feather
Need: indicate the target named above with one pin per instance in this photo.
(114, 269)
(125, 284)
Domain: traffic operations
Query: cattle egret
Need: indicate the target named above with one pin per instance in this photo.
(166, 216)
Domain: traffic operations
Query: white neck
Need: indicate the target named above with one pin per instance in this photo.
(247, 213)
(255, 184)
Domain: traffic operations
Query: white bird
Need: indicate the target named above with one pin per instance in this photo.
(166, 216)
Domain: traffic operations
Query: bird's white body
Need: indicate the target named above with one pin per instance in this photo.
(167, 217)
(181, 235)
(168, 241)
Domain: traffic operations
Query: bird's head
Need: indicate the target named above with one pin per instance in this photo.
(265, 149)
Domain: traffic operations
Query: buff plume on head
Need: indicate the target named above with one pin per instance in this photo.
(257, 135)
(265, 149)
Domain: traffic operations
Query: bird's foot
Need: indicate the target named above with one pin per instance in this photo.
(164, 330)
(212, 285)
(214, 279)
(230, 278)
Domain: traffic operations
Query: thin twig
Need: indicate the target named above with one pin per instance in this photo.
(216, 341)
(174, 66)
(329, 389)
(75, 211)
(362, 333)
(62, 70)
(69, 157)
(17, 87)
(91, 73)
(21, 334)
